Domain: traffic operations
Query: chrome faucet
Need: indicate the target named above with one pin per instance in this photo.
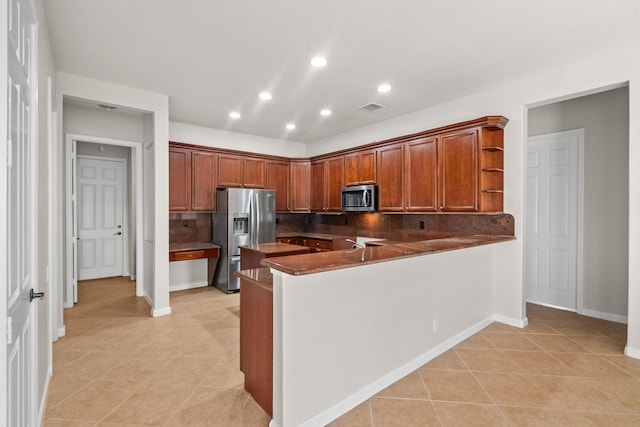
(356, 245)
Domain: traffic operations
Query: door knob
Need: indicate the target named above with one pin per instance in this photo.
(118, 233)
(33, 295)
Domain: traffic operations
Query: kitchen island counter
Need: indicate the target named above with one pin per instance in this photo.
(335, 260)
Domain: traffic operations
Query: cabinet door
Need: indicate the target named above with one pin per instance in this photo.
(334, 182)
(352, 169)
(278, 179)
(458, 171)
(300, 186)
(254, 173)
(317, 186)
(421, 184)
(179, 180)
(368, 167)
(390, 178)
(230, 172)
(203, 181)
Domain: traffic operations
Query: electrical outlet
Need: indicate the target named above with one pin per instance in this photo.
(422, 225)
(435, 325)
(185, 223)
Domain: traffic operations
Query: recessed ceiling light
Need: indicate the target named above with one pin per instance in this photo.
(384, 88)
(265, 96)
(234, 115)
(325, 112)
(291, 126)
(318, 61)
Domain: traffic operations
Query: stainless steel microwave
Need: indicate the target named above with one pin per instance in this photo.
(361, 198)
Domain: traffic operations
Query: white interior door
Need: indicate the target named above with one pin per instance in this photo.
(100, 221)
(552, 221)
(19, 209)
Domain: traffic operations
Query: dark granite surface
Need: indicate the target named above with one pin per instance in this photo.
(275, 248)
(191, 246)
(335, 260)
(259, 276)
(318, 236)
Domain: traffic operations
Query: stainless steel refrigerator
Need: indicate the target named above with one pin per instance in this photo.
(243, 217)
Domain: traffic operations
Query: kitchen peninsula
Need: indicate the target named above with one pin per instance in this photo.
(350, 322)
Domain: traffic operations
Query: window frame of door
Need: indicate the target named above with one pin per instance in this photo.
(137, 156)
(580, 133)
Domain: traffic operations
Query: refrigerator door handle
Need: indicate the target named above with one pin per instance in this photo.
(256, 209)
(252, 219)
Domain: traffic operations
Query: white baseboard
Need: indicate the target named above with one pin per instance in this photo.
(148, 299)
(160, 312)
(557, 307)
(517, 323)
(632, 352)
(133, 277)
(62, 331)
(185, 286)
(604, 316)
(344, 406)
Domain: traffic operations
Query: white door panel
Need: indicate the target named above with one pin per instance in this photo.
(100, 189)
(18, 210)
(551, 251)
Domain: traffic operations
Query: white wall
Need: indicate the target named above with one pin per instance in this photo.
(342, 336)
(198, 135)
(599, 72)
(84, 120)
(605, 118)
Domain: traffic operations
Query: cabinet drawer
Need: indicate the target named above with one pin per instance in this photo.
(317, 244)
(197, 254)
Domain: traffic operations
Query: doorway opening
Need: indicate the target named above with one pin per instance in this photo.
(602, 276)
(134, 226)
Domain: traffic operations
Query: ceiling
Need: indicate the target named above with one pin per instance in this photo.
(212, 57)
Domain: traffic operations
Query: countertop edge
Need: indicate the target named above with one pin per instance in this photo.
(283, 264)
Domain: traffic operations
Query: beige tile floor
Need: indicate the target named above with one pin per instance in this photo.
(118, 367)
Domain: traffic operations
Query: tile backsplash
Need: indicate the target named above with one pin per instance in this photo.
(197, 227)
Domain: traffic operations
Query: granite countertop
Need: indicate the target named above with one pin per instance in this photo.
(259, 276)
(335, 260)
(192, 246)
(319, 236)
(276, 248)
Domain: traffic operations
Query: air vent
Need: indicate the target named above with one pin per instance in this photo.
(372, 106)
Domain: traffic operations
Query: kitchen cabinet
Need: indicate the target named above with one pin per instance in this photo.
(278, 179)
(191, 180)
(241, 171)
(360, 168)
(456, 171)
(471, 170)
(420, 177)
(327, 179)
(391, 178)
(179, 180)
(317, 243)
(300, 185)
(203, 185)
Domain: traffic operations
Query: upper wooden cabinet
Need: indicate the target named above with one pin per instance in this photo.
(327, 180)
(179, 180)
(360, 168)
(300, 184)
(240, 171)
(203, 183)
(454, 168)
(421, 170)
(192, 184)
(278, 179)
(391, 178)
